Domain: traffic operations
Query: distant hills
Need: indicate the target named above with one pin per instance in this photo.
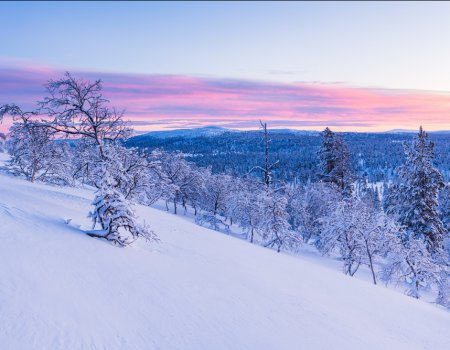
(212, 130)
(401, 131)
(187, 133)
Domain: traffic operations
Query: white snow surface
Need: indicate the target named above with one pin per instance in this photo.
(195, 289)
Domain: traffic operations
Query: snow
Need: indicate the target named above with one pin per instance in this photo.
(195, 289)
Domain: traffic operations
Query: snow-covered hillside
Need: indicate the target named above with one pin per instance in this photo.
(195, 289)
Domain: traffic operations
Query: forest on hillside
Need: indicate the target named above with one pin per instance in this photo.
(374, 156)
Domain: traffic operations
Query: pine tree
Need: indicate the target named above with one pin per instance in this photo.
(327, 155)
(335, 164)
(416, 198)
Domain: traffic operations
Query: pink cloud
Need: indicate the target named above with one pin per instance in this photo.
(167, 101)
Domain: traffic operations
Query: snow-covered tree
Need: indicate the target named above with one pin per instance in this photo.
(410, 262)
(368, 192)
(194, 191)
(327, 155)
(372, 228)
(215, 200)
(181, 178)
(417, 255)
(29, 146)
(85, 156)
(2, 135)
(444, 208)
(244, 206)
(335, 166)
(308, 205)
(77, 108)
(2, 142)
(113, 212)
(340, 234)
(358, 231)
(140, 178)
(35, 155)
(274, 229)
(242, 201)
(415, 200)
(443, 297)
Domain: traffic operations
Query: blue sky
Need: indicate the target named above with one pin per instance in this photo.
(382, 44)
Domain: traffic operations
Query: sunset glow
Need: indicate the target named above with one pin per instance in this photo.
(155, 102)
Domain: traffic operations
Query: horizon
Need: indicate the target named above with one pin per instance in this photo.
(400, 131)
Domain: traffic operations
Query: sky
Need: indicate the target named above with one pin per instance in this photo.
(363, 66)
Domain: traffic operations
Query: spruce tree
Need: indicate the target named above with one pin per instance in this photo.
(335, 164)
(417, 196)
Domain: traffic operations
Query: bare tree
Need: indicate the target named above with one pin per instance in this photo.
(267, 168)
(78, 108)
(15, 112)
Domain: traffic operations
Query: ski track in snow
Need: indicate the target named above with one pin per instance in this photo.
(196, 289)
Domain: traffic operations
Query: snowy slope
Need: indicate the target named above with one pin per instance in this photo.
(196, 289)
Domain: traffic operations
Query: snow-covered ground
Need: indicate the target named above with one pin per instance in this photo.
(195, 289)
